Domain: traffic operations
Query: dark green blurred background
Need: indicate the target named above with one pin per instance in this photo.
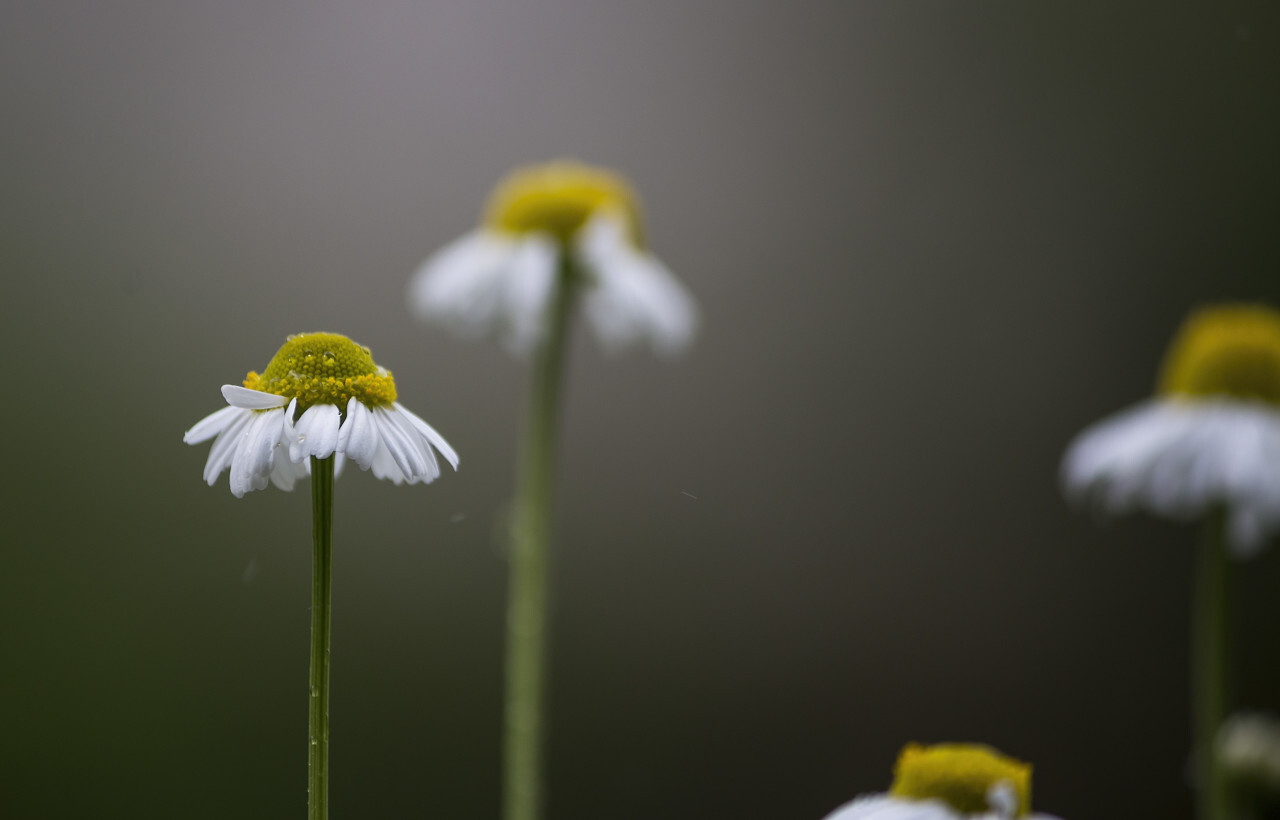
(931, 242)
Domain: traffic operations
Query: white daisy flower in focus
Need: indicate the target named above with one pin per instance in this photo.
(322, 395)
(1210, 439)
(949, 781)
(562, 220)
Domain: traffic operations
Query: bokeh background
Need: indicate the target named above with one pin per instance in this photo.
(931, 241)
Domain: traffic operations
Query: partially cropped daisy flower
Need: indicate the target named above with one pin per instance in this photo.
(1209, 439)
(501, 278)
(950, 781)
(1248, 745)
(321, 395)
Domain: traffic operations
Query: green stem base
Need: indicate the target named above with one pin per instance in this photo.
(1211, 679)
(528, 593)
(321, 586)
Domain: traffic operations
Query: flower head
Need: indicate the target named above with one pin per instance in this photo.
(321, 395)
(949, 781)
(1248, 746)
(1210, 438)
(501, 277)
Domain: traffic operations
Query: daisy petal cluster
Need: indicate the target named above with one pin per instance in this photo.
(501, 277)
(1248, 745)
(321, 395)
(1211, 438)
(949, 781)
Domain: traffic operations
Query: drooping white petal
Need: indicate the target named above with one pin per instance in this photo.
(238, 396)
(428, 432)
(316, 433)
(254, 455)
(210, 425)
(1177, 458)
(358, 437)
(635, 297)
(404, 449)
(527, 293)
(285, 473)
(462, 284)
(431, 468)
(224, 446)
(884, 807)
(384, 466)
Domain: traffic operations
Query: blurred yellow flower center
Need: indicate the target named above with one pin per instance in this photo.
(960, 775)
(324, 368)
(558, 198)
(1228, 350)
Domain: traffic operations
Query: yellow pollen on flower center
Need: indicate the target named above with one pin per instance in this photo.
(558, 198)
(324, 368)
(959, 774)
(1226, 350)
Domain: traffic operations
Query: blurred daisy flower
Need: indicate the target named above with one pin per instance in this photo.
(321, 395)
(950, 781)
(1209, 439)
(544, 222)
(1248, 745)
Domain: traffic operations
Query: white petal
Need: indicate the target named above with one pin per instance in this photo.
(431, 468)
(254, 456)
(210, 425)
(883, 807)
(358, 437)
(384, 466)
(316, 433)
(285, 473)
(461, 285)
(238, 396)
(1177, 458)
(635, 297)
(430, 434)
(224, 447)
(529, 287)
(403, 448)
(1002, 799)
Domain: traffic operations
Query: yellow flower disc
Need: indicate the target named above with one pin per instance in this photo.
(325, 368)
(960, 775)
(1227, 350)
(558, 198)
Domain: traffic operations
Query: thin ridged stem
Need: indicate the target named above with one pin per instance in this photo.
(528, 592)
(321, 586)
(1211, 672)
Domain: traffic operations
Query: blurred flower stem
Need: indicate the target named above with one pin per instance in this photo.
(1211, 674)
(321, 586)
(528, 594)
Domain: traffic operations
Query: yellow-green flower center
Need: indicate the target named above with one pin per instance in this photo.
(558, 198)
(959, 774)
(324, 368)
(1227, 350)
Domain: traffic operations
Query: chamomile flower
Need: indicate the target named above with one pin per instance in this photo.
(1211, 438)
(322, 395)
(544, 223)
(950, 781)
(1248, 745)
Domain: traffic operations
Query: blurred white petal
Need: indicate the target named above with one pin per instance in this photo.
(1178, 458)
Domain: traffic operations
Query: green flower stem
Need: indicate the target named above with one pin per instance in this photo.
(321, 585)
(528, 596)
(1211, 669)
